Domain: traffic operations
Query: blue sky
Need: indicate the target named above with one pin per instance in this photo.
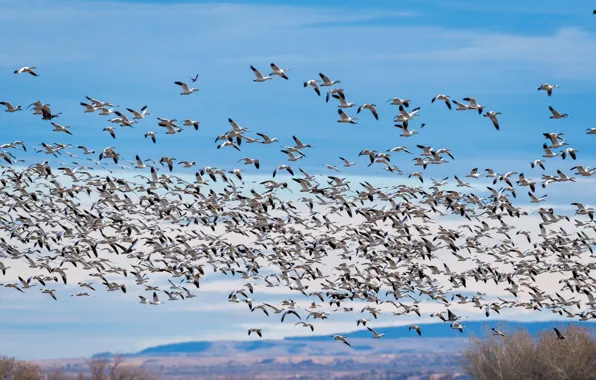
(131, 52)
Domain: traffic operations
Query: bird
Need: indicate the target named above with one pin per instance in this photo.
(111, 131)
(194, 79)
(548, 88)
(277, 71)
(376, 335)
(556, 114)
(328, 82)
(347, 163)
(558, 333)
(139, 114)
(341, 339)
(61, 128)
(259, 332)
(444, 98)
(497, 332)
(185, 89)
(492, 115)
(417, 328)
(152, 135)
(371, 108)
(314, 85)
(27, 69)
(193, 123)
(260, 77)
(10, 108)
(345, 118)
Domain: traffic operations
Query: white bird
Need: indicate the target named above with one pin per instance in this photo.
(548, 88)
(185, 89)
(405, 132)
(444, 98)
(557, 114)
(328, 82)
(278, 71)
(267, 139)
(260, 77)
(492, 115)
(61, 128)
(27, 69)
(139, 114)
(10, 108)
(341, 339)
(534, 199)
(313, 84)
(347, 163)
(189, 122)
(345, 118)
(250, 161)
(111, 131)
(152, 135)
(371, 108)
(376, 335)
(342, 100)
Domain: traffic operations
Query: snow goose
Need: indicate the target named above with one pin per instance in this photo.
(376, 335)
(591, 131)
(474, 105)
(571, 152)
(405, 115)
(399, 102)
(61, 128)
(260, 77)
(250, 161)
(152, 135)
(341, 339)
(492, 115)
(259, 332)
(288, 168)
(342, 101)
(10, 108)
(371, 108)
(313, 84)
(405, 132)
(497, 332)
(139, 114)
(328, 82)
(345, 118)
(228, 143)
(444, 98)
(461, 106)
(333, 91)
(50, 292)
(347, 163)
(27, 69)
(548, 88)
(111, 131)
(474, 174)
(586, 172)
(187, 164)
(300, 144)
(99, 103)
(556, 114)
(267, 139)
(277, 71)
(185, 89)
(417, 328)
(549, 153)
(89, 108)
(535, 199)
(535, 163)
(189, 122)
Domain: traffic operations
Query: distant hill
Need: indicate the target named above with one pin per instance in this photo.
(439, 336)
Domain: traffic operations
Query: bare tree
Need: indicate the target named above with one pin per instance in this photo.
(116, 369)
(12, 369)
(519, 355)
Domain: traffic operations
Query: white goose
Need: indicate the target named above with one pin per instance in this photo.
(10, 108)
(27, 69)
(556, 114)
(328, 82)
(345, 118)
(185, 89)
(371, 108)
(260, 77)
(278, 71)
(139, 114)
(492, 115)
(314, 85)
(548, 88)
(444, 98)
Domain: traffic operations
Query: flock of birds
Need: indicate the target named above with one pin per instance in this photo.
(339, 243)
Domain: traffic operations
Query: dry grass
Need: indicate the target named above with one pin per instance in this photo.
(98, 369)
(519, 355)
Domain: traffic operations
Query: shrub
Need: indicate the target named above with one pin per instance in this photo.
(519, 355)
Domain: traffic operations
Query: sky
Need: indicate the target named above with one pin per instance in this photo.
(131, 52)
